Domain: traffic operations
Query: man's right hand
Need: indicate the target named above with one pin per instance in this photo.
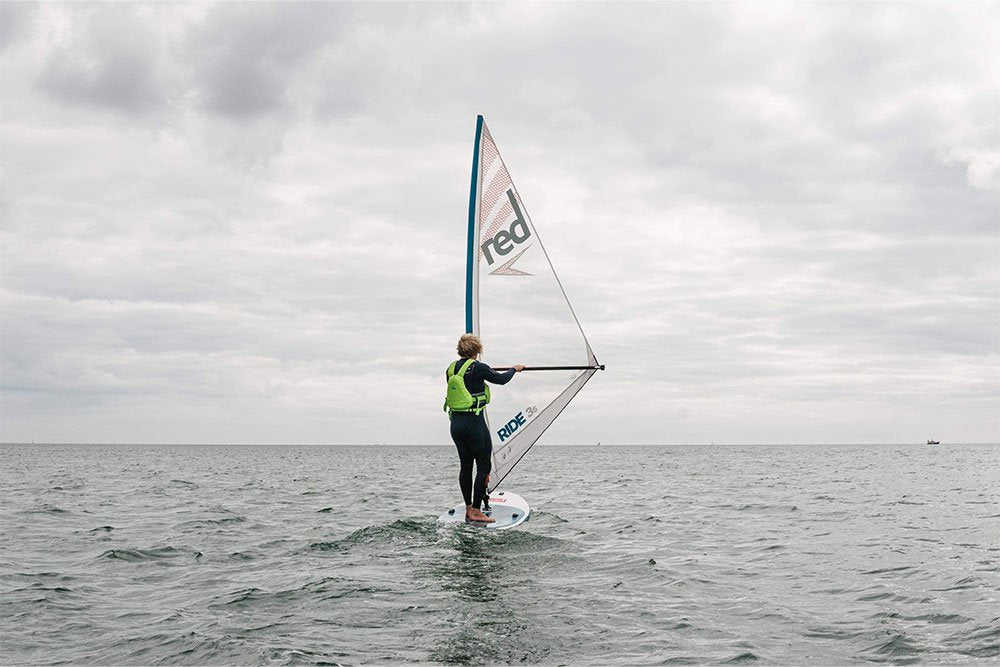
(518, 367)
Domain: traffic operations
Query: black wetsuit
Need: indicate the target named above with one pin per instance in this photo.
(471, 435)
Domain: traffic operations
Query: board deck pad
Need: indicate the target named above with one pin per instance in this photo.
(509, 510)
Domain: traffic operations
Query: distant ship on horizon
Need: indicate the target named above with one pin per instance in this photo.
(933, 442)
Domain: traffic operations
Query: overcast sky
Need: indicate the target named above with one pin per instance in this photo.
(246, 223)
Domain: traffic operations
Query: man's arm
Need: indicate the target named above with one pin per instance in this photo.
(491, 375)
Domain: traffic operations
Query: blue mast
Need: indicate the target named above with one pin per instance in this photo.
(471, 250)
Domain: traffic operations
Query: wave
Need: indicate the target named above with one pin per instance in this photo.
(394, 533)
(240, 597)
(154, 554)
(183, 647)
(891, 597)
(47, 509)
(207, 523)
(896, 647)
(256, 484)
(324, 589)
(40, 587)
(101, 529)
(741, 658)
(940, 618)
(962, 584)
(74, 486)
(985, 640)
(885, 570)
(831, 633)
(761, 507)
(538, 515)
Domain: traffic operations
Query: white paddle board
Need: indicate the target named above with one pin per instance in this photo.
(509, 510)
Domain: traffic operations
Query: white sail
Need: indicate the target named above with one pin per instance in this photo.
(517, 305)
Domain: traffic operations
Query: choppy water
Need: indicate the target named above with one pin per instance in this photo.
(249, 555)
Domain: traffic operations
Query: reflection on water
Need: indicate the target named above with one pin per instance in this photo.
(471, 565)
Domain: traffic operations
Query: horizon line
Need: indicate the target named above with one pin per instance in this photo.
(414, 444)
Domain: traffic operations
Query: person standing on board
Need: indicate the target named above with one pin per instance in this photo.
(467, 396)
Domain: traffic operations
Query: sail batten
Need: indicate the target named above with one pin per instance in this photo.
(516, 303)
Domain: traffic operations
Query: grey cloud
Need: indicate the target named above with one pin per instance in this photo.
(764, 217)
(245, 55)
(111, 62)
(14, 18)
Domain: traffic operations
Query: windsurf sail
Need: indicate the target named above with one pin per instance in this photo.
(517, 306)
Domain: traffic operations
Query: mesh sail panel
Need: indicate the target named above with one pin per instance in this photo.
(521, 312)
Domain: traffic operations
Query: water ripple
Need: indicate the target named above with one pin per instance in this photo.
(637, 556)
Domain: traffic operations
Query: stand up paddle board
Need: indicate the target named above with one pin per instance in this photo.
(509, 510)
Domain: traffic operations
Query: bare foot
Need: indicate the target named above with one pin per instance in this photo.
(477, 515)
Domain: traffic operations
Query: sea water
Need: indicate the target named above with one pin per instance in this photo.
(632, 555)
